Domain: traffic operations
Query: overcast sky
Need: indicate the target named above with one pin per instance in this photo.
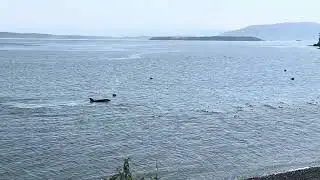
(149, 17)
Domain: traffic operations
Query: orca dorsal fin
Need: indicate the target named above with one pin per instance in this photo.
(91, 100)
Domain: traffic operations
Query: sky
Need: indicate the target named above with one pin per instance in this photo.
(149, 17)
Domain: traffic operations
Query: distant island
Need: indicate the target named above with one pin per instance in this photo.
(280, 31)
(207, 38)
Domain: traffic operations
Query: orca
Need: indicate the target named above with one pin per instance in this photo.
(99, 100)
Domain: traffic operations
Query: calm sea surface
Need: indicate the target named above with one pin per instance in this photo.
(213, 110)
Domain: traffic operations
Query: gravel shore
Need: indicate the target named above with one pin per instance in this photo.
(303, 174)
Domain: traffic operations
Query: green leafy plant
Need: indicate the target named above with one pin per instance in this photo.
(124, 173)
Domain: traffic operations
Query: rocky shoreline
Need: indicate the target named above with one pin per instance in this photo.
(312, 173)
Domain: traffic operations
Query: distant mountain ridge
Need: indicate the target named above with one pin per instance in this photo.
(280, 31)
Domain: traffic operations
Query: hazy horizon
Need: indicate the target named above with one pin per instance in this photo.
(147, 18)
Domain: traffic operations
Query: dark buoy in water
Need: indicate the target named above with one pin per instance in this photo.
(292, 79)
(151, 78)
(114, 95)
(285, 70)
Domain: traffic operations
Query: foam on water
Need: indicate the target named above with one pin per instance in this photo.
(131, 56)
(34, 104)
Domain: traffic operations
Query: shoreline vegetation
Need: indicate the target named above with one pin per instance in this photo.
(125, 173)
(206, 38)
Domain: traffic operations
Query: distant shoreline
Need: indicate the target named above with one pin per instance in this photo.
(311, 173)
(14, 35)
(206, 38)
(39, 35)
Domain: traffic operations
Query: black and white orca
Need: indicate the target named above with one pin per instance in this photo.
(99, 100)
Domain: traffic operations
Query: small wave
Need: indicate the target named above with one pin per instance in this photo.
(297, 169)
(35, 105)
(27, 105)
(210, 112)
(71, 103)
(312, 103)
(132, 56)
(55, 115)
(249, 105)
(269, 106)
(16, 44)
(236, 116)
(239, 108)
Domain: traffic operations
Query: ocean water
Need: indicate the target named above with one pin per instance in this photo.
(213, 110)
